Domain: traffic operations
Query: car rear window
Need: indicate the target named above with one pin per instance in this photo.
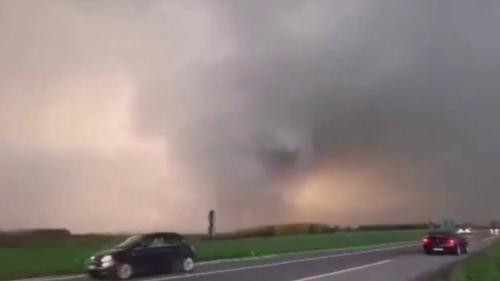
(440, 235)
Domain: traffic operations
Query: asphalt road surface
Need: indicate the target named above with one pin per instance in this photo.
(389, 263)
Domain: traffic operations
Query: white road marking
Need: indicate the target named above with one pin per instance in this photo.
(239, 259)
(304, 252)
(489, 238)
(190, 275)
(344, 270)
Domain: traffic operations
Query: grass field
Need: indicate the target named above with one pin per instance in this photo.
(65, 257)
(483, 266)
(50, 257)
(276, 245)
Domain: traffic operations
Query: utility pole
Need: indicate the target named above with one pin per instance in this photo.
(211, 224)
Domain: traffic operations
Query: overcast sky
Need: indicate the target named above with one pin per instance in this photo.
(144, 115)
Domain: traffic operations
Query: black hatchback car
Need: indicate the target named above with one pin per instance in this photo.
(143, 254)
(445, 243)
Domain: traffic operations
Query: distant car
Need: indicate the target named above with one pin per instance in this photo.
(494, 231)
(465, 230)
(143, 254)
(445, 243)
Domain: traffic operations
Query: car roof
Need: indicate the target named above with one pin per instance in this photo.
(441, 233)
(166, 235)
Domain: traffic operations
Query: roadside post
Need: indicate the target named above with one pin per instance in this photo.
(211, 224)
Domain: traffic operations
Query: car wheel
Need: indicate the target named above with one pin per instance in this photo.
(428, 252)
(187, 265)
(124, 271)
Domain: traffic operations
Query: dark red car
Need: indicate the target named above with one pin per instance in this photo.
(445, 243)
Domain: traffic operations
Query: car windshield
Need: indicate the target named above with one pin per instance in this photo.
(130, 242)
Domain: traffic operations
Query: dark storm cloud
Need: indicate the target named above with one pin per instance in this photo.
(255, 102)
(414, 81)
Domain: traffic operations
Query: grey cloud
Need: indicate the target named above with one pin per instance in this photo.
(251, 97)
(410, 80)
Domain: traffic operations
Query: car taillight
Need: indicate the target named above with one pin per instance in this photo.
(425, 240)
(452, 242)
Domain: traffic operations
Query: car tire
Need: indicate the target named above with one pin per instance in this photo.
(429, 252)
(124, 271)
(183, 265)
(187, 264)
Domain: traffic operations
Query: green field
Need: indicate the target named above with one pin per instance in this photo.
(50, 257)
(483, 266)
(68, 256)
(287, 244)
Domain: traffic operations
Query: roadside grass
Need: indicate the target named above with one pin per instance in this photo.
(68, 256)
(482, 266)
(49, 258)
(213, 250)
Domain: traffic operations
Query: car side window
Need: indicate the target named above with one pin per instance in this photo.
(144, 243)
(170, 242)
(157, 242)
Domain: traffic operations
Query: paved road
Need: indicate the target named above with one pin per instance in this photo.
(390, 263)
